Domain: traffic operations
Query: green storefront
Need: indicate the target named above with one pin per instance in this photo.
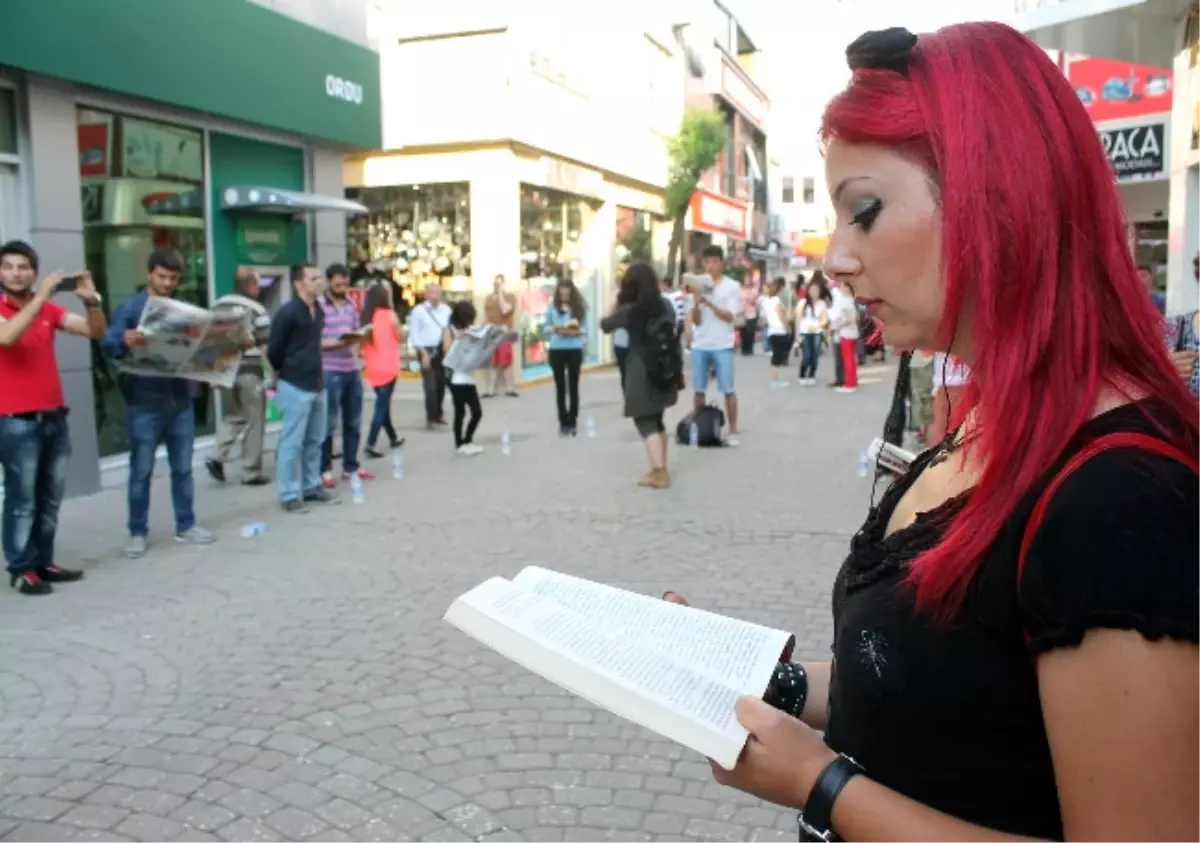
(214, 126)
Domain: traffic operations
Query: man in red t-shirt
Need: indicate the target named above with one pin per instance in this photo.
(34, 442)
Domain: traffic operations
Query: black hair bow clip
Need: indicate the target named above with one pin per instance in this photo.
(882, 49)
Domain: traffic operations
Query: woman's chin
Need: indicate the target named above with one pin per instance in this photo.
(903, 337)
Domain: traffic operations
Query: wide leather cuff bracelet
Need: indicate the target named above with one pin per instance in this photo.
(788, 689)
(816, 820)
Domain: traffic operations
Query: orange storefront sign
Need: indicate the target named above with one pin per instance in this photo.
(718, 214)
(812, 246)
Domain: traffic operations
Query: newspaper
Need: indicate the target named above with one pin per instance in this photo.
(474, 348)
(185, 341)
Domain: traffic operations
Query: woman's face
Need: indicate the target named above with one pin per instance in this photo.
(813, 291)
(886, 245)
(563, 295)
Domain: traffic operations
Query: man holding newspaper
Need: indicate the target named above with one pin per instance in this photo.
(157, 409)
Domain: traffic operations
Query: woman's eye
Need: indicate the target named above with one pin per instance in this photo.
(866, 214)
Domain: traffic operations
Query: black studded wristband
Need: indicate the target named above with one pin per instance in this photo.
(788, 689)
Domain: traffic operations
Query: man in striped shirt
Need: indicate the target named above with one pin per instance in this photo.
(343, 383)
(245, 403)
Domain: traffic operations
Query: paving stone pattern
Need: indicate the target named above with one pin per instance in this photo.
(300, 685)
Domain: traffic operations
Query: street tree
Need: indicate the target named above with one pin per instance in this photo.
(692, 151)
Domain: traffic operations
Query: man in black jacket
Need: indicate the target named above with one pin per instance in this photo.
(294, 352)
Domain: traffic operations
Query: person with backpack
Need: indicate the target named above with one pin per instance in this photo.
(654, 367)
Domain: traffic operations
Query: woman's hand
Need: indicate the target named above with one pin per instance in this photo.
(675, 597)
(782, 757)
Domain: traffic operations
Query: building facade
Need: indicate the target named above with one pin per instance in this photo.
(730, 208)
(1134, 64)
(159, 124)
(537, 156)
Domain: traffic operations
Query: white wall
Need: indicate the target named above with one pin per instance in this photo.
(582, 82)
(345, 18)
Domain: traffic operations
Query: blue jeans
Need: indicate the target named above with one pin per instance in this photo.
(704, 361)
(344, 395)
(34, 454)
(381, 418)
(298, 452)
(810, 354)
(173, 422)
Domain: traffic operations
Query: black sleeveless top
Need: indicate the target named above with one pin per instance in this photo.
(948, 713)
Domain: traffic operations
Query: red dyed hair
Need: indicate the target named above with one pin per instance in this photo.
(1034, 240)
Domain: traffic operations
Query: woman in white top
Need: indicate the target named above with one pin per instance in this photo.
(778, 339)
(463, 391)
(812, 319)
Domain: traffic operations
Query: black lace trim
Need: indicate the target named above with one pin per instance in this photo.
(1070, 633)
(874, 556)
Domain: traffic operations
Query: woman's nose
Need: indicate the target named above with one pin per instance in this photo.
(840, 262)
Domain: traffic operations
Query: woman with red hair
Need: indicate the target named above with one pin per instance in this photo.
(1015, 628)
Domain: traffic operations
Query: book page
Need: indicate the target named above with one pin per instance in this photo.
(738, 653)
(602, 665)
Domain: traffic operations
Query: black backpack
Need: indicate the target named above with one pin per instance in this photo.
(709, 422)
(663, 356)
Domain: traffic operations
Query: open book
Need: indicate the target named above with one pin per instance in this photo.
(673, 669)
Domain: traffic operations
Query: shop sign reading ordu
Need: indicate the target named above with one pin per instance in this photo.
(343, 89)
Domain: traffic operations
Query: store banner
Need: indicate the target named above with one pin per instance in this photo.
(1137, 153)
(1118, 90)
(232, 58)
(718, 215)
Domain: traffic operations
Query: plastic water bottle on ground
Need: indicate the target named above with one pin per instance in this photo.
(505, 443)
(591, 427)
(694, 434)
(398, 466)
(862, 464)
(249, 531)
(356, 489)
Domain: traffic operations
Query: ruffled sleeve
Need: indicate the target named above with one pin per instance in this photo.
(1119, 548)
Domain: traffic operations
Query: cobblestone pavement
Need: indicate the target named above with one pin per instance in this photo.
(300, 685)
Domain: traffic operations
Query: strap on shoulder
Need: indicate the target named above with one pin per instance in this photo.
(1099, 445)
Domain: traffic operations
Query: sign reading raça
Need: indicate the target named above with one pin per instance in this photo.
(1136, 152)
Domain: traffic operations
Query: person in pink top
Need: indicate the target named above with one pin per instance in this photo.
(381, 361)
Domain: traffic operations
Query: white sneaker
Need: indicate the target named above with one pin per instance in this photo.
(845, 390)
(732, 442)
(475, 449)
(468, 450)
(136, 548)
(195, 535)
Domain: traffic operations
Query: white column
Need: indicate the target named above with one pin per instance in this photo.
(329, 227)
(1183, 239)
(496, 227)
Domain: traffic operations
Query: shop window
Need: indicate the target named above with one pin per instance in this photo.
(414, 235)
(142, 185)
(8, 121)
(556, 229)
(810, 192)
(12, 200)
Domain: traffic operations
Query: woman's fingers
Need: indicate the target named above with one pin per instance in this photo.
(675, 597)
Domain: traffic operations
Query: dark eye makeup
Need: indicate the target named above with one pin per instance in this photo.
(866, 213)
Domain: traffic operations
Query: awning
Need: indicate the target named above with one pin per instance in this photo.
(165, 203)
(272, 200)
(812, 245)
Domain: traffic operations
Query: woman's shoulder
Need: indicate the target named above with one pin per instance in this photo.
(1115, 545)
